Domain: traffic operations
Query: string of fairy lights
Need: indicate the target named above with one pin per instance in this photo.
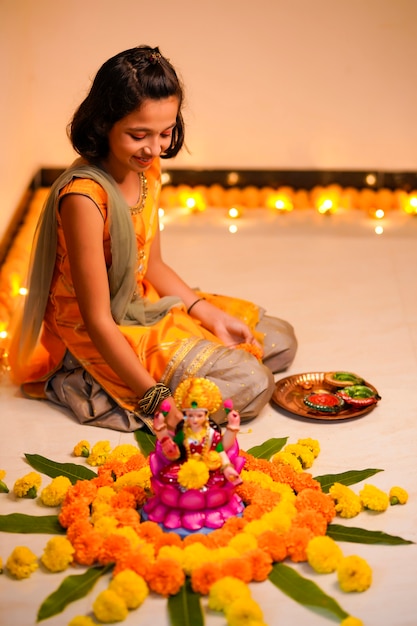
(233, 201)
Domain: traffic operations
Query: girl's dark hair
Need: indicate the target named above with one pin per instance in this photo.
(121, 86)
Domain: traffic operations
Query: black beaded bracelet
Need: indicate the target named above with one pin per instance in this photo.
(153, 397)
(193, 304)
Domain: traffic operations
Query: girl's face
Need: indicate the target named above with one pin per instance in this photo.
(195, 418)
(137, 139)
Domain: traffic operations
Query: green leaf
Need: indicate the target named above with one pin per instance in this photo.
(304, 591)
(268, 448)
(185, 607)
(72, 588)
(53, 469)
(345, 478)
(21, 523)
(338, 532)
(146, 441)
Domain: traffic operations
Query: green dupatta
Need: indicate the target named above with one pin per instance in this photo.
(126, 307)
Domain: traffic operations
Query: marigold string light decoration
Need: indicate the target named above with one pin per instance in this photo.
(329, 200)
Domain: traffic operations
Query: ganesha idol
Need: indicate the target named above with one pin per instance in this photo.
(196, 469)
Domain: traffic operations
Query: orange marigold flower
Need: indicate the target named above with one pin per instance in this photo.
(167, 539)
(304, 480)
(220, 537)
(138, 492)
(150, 532)
(128, 517)
(113, 548)
(165, 577)
(83, 491)
(252, 349)
(105, 479)
(87, 548)
(238, 568)
(318, 501)
(115, 467)
(204, 576)
(123, 500)
(261, 563)
(72, 512)
(297, 541)
(247, 491)
(136, 462)
(253, 511)
(311, 519)
(139, 560)
(78, 528)
(273, 544)
(189, 540)
(234, 524)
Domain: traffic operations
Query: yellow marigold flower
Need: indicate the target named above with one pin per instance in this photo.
(259, 478)
(312, 444)
(82, 620)
(105, 525)
(104, 494)
(82, 448)
(193, 474)
(58, 554)
(219, 555)
(99, 453)
(284, 490)
(141, 478)
(351, 621)
(286, 458)
(28, 485)
(195, 555)
(303, 454)
(99, 510)
(172, 552)
(54, 493)
(3, 487)
(109, 607)
(280, 518)
(323, 554)
(130, 534)
(397, 495)
(373, 498)
(1, 565)
(131, 587)
(123, 452)
(242, 542)
(22, 562)
(347, 503)
(225, 591)
(256, 527)
(354, 574)
(243, 612)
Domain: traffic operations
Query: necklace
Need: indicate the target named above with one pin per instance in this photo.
(143, 194)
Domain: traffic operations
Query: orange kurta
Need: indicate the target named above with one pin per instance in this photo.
(160, 348)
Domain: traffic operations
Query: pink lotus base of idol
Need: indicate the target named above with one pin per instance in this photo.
(174, 507)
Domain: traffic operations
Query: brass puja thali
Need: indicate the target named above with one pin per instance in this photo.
(325, 395)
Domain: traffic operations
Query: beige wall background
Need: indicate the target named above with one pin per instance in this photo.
(270, 84)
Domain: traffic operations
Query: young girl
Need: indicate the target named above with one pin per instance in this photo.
(109, 329)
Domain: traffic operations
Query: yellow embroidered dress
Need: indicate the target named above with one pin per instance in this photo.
(175, 347)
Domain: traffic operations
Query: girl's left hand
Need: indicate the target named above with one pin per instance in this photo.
(230, 330)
